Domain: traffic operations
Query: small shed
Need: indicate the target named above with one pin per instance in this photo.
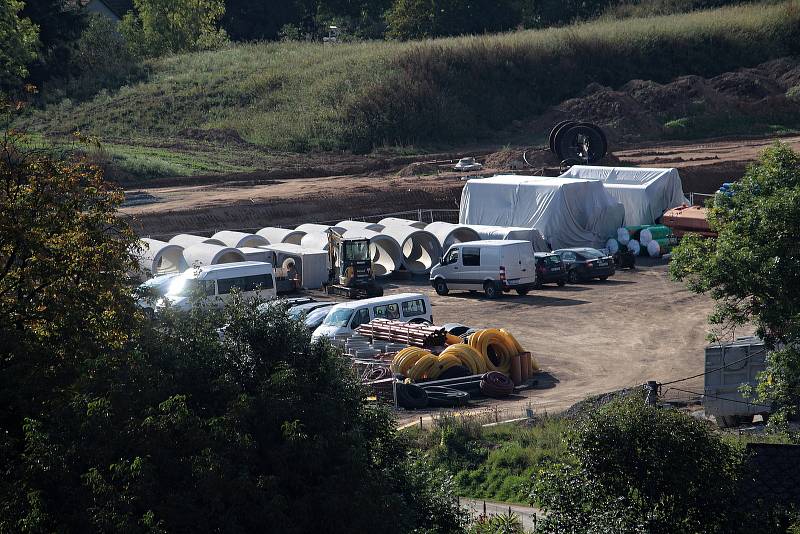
(311, 264)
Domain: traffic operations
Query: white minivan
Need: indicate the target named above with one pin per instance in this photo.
(495, 266)
(215, 283)
(345, 317)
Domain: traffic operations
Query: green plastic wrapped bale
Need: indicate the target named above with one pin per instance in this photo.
(636, 229)
(654, 232)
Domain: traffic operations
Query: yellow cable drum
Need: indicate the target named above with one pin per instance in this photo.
(497, 346)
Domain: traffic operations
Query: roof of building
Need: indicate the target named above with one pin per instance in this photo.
(118, 7)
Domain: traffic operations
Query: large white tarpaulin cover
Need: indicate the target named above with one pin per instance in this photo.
(568, 212)
(645, 193)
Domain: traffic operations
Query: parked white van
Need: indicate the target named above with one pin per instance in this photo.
(496, 266)
(345, 317)
(216, 282)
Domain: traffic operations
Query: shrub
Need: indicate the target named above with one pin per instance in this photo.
(642, 469)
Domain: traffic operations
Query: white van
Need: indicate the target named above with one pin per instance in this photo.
(345, 317)
(496, 266)
(216, 282)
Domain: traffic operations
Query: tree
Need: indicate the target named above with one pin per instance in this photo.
(60, 24)
(113, 422)
(20, 40)
(160, 27)
(637, 468)
(416, 19)
(245, 20)
(752, 268)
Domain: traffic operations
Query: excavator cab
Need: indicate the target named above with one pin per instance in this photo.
(351, 267)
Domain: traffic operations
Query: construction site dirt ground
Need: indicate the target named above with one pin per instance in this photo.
(209, 203)
(588, 338)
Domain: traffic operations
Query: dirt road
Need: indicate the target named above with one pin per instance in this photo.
(590, 338)
(260, 199)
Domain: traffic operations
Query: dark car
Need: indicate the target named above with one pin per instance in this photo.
(586, 263)
(549, 269)
(315, 317)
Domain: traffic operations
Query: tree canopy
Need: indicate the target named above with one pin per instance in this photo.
(641, 469)
(116, 422)
(20, 41)
(752, 269)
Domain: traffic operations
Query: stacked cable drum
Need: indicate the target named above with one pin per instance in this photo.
(490, 350)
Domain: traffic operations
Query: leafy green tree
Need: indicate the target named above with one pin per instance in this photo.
(641, 469)
(161, 27)
(19, 38)
(752, 269)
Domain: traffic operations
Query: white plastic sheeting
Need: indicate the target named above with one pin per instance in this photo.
(395, 221)
(450, 234)
(387, 257)
(210, 254)
(281, 235)
(568, 212)
(312, 265)
(159, 257)
(360, 225)
(506, 233)
(239, 239)
(187, 240)
(421, 250)
(645, 193)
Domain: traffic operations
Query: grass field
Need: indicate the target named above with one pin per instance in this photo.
(304, 97)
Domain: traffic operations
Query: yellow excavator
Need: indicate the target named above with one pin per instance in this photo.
(351, 273)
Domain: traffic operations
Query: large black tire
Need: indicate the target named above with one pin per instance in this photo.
(441, 287)
(522, 292)
(491, 290)
(538, 284)
(557, 133)
(573, 277)
(568, 147)
(554, 132)
(603, 278)
(561, 283)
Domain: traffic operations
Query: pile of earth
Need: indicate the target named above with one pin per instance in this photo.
(642, 109)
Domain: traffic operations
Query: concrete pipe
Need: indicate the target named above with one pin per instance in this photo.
(450, 234)
(203, 254)
(315, 241)
(395, 221)
(360, 225)
(159, 257)
(187, 240)
(281, 235)
(311, 228)
(387, 257)
(239, 239)
(421, 249)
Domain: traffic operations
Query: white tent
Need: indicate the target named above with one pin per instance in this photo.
(512, 232)
(645, 193)
(568, 212)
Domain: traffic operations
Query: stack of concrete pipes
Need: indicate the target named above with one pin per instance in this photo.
(395, 244)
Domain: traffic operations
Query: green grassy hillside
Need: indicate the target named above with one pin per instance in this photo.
(304, 96)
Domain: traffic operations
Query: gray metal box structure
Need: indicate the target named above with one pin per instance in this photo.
(311, 264)
(729, 366)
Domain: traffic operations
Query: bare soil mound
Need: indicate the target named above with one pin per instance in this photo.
(643, 109)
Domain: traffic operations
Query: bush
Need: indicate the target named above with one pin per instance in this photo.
(642, 469)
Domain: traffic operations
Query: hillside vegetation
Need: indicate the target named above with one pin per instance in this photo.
(305, 96)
